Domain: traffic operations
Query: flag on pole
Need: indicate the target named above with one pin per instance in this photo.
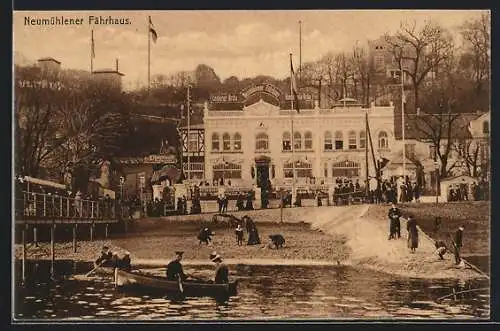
(92, 45)
(152, 30)
(293, 85)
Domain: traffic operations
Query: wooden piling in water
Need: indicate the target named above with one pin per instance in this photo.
(74, 238)
(91, 232)
(23, 235)
(106, 231)
(35, 238)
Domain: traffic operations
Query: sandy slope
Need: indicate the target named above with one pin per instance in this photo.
(366, 229)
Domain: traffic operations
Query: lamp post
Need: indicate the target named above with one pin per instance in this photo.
(436, 166)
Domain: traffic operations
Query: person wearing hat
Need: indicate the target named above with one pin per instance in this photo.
(458, 243)
(221, 269)
(174, 268)
(105, 257)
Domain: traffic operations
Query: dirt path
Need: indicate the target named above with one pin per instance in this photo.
(366, 230)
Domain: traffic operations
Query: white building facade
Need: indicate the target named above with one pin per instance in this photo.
(254, 144)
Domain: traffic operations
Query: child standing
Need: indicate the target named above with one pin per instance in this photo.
(239, 235)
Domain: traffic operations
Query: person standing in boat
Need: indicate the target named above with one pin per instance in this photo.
(105, 258)
(411, 227)
(174, 268)
(221, 269)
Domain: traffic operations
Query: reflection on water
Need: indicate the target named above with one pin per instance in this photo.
(268, 292)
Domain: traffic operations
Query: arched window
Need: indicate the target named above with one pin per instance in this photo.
(352, 140)
(345, 169)
(486, 127)
(237, 141)
(308, 140)
(339, 140)
(328, 141)
(362, 139)
(226, 141)
(297, 140)
(383, 142)
(215, 142)
(302, 169)
(262, 142)
(287, 141)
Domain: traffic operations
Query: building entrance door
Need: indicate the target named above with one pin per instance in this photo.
(262, 167)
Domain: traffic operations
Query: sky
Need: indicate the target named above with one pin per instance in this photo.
(239, 43)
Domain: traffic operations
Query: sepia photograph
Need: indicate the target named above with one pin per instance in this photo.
(251, 165)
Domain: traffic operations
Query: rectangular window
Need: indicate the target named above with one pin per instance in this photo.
(410, 151)
(339, 144)
(193, 142)
(197, 170)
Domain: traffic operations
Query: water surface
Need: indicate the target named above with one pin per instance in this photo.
(265, 292)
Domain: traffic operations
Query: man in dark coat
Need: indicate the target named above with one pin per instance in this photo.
(221, 269)
(394, 222)
(458, 243)
(174, 268)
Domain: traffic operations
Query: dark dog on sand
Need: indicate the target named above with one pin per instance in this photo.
(277, 240)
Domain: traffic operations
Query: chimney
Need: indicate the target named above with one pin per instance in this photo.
(116, 65)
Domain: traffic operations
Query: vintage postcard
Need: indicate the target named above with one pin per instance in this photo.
(251, 165)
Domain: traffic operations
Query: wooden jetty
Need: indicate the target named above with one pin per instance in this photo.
(34, 210)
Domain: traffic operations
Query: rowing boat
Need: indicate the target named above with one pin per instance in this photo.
(197, 288)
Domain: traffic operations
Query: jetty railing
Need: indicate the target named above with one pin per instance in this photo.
(45, 206)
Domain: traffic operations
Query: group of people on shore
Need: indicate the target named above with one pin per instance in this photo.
(394, 216)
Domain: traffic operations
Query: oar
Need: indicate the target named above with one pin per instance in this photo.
(91, 271)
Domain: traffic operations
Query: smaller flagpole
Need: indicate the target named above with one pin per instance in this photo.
(300, 51)
(149, 53)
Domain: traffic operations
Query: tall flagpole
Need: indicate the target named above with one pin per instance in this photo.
(300, 50)
(149, 55)
(92, 51)
(189, 131)
(292, 139)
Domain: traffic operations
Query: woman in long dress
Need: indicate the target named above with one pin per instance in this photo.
(411, 227)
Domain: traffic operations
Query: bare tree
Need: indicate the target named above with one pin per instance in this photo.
(363, 72)
(469, 151)
(476, 58)
(36, 104)
(65, 117)
(420, 51)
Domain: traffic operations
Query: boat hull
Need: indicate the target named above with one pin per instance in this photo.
(138, 281)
